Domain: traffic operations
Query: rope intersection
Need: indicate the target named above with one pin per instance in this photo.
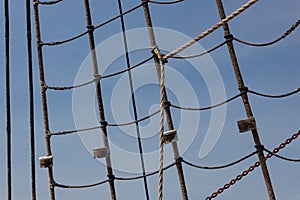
(165, 105)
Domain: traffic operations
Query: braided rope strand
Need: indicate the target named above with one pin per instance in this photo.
(212, 29)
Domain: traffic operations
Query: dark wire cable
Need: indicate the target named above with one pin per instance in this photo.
(49, 2)
(281, 157)
(31, 99)
(96, 27)
(220, 166)
(138, 133)
(165, 2)
(80, 186)
(98, 77)
(201, 54)
(284, 35)
(8, 107)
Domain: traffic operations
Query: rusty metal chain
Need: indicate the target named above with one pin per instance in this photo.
(251, 168)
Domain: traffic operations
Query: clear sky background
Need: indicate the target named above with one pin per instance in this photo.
(274, 70)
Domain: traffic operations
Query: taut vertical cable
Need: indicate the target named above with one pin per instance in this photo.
(44, 96)
(31, 99)
(99, 98)
(8, 110)
(247, 106)
(133, 100)
(167, 108)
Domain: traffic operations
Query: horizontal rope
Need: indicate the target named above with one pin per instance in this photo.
(275, 96)
(136, 121)
(97, 127)
(48, 2)
(210, 30)
(115, 178)
(165, 2)
(208, 107)
(70, 87)
(142, 176)
(221, 166)
(97, 77)
(282, 157)
(179, 107)
(127, 69)
(284, 35)
(201, 54)
(96, 27)
(236, 96)
(80, 186)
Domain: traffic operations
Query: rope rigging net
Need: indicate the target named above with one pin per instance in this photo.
(166, 121)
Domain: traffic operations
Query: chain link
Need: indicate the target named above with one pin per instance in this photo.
(251, 168)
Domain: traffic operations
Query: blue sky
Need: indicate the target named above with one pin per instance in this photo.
(272, 70)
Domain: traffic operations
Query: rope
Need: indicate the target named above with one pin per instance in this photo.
(31, 100)
(49, 2)
(80, 186)
(276, 96)
(98, 77)
(91, 29)
(236, 96)
(167, 108)
(282, 157)
(284, 35)
(201, 54)
(221, 166)
(44, 96)
(165, 2)
(241, 85)
(161, 132)
(212, 29)
(116, 178)
(133, 101)
(97, 127)
(7, 94)
(146, 175)
(96, 27)
(208, 107)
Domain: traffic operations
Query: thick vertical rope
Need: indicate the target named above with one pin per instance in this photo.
(44, 96)
(167, 108)
(161, 132)
(31, 99)
(8, 110)
(99, 98)
(246, 102)
(133, 100)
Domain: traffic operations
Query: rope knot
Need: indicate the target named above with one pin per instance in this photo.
(259, 148)
(97, 77)
(244, 89)
(166, 104)
(53, 184)
(44, 86)
(90, 27)
(156, 52)
(103, 123)
(178, 160)
(111, 177)
(228, 37)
